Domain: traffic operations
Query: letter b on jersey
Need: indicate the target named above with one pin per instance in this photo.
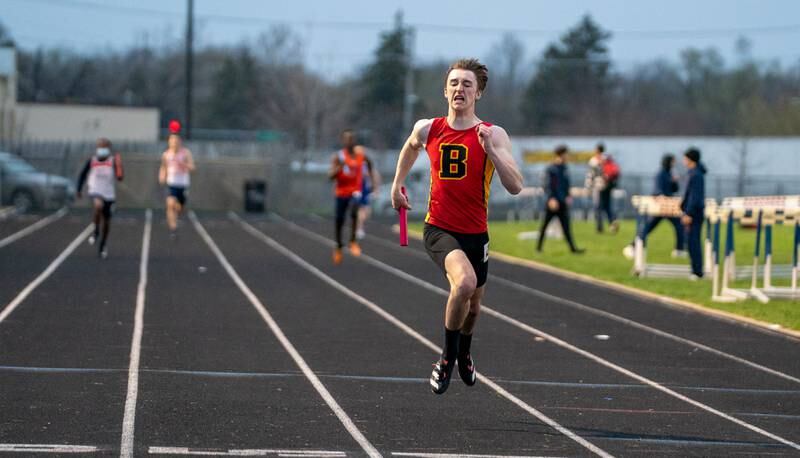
(453, 163)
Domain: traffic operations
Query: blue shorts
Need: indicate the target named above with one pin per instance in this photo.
(365, 192)
(178, 192)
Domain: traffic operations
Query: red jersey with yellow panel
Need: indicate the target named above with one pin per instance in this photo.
(461, 176)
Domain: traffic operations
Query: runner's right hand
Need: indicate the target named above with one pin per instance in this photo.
(398, 199)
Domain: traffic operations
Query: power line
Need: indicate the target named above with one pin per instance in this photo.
(434, 28)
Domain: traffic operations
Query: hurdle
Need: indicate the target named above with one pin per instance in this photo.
(721, 290)
(668, 207)
(764, 212)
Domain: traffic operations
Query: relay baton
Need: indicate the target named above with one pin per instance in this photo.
(403, 221)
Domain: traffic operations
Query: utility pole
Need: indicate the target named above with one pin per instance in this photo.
(188, 60)
(409, 97)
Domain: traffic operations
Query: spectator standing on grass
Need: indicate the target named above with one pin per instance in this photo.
(610, 171)
(666, 184)
(693, 208)
(594, 180)
(558, 199)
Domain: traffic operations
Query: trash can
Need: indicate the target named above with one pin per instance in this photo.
(255, 196)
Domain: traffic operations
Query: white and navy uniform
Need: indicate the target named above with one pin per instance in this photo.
(178, 178)
(100, 176)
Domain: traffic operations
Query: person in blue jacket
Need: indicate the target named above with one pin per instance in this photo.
(558, 199)
(693, 208)
(666, 184)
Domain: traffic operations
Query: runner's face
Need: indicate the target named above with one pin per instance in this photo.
(348, 140)
(174, 142)
(461, 89)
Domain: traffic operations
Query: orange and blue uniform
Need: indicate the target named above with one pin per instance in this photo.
(347, 188)
(349, 178)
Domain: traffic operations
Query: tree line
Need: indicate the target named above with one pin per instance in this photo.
(573, 88)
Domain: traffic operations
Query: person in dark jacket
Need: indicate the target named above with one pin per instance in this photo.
(666, 184)
(693, 208)
(558, 199)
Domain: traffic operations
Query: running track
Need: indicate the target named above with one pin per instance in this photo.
(241, 338)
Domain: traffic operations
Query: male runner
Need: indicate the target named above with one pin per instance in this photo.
(176, 165)
(100, 173)
(464, 152)
(347, 173)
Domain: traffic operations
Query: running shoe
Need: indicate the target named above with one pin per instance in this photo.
(337, 256)
(104, 253)
(466, 369)
(355, 249)
(92, 239)
(440, 377)
(360, 234)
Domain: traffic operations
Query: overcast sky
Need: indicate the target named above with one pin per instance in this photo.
(339, 36)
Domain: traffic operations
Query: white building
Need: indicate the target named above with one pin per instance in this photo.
(63, 122)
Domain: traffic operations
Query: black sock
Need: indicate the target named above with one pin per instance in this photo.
(450, 345)
(96, 231)
(464, 344)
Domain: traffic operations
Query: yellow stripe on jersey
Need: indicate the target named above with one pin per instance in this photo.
(488, 172)
(430, 190)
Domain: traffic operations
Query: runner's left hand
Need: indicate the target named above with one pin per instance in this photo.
(485, 137)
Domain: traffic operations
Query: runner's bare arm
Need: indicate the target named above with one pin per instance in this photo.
(189, 161)
(408, 155)
(162, 171)
(336, 167)
(497, 145)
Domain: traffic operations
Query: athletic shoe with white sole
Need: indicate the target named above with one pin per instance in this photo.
(440, 377)
(92, 239)
(466, 369)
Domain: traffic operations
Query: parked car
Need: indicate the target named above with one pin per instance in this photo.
(26, 188)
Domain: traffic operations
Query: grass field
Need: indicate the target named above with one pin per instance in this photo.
(603, 259)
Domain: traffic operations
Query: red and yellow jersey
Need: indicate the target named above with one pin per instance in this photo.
(461, 175)
(348, 180)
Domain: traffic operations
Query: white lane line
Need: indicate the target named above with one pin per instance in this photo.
(605, 314)
(644, 327)
(45, 274)
(531, 330)
(287, 345)
(129, 417)
(33, 227)
(410, 331)
(48, 448)
(460, 455)
(246, 452)
(609, 315)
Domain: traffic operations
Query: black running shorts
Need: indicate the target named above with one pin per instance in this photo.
(439, 243)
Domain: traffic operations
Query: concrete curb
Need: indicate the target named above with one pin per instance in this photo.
(666, 300)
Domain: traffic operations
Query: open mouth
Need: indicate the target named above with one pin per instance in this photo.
(458, 98)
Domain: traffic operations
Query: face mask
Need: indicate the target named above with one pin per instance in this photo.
(103, 153)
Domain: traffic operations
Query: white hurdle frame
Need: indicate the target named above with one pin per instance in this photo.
(667, 207)
(765, 211)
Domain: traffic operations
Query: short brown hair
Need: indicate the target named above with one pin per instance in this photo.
(561, 150)
(481, 71)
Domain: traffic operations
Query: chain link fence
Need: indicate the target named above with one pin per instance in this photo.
(297, 182)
